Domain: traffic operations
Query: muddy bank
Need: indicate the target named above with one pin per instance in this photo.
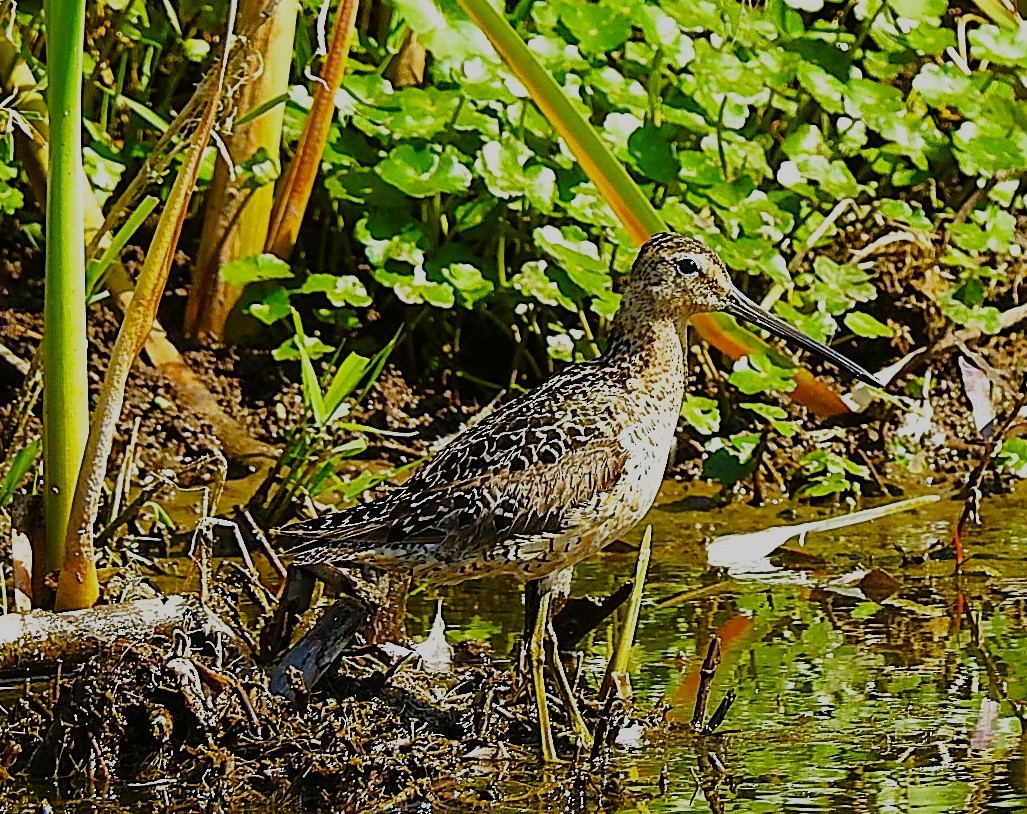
(187, 722)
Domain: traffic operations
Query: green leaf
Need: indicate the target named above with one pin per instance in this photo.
(259, 170)
(985, 319)
(989, 148)
(534, 281)
(829, 91)
(443, 30)
(945, 85)
(731, 459)
(425, 171)
(904, 212)
(502, 166)
(195, 50)
(273, 306)
(1011, 457)
(919, 9)
(652, 153)
(702, 413)
(865, 325)
(289, 349)
(391, 235)
(1003, 46)
(993, 230)
(344, 290)
(840, 285)
(576, 255)
(344, 381)
(598, 29)
(415, 287)
(255, 269)
(775, 416)
(865, 610)
(806, 5)
(760, 374)
(21, 464)
(312, 395)
(471, 286)
(817, 324)
(103, 170)
(422, 112)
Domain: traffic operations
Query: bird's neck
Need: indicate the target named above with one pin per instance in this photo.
(647, 343)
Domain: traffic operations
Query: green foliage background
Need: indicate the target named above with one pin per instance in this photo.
(746, 125)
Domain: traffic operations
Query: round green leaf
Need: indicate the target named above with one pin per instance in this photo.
(1000, 45)
(425, 171)
(255, 269)
(759, 374)
(273, 306)
(344, 290)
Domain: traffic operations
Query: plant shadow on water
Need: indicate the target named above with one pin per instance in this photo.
(845, 702)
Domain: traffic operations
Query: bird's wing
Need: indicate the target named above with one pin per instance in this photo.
(522, 472)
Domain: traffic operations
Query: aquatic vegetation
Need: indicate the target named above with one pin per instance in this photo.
(453, 188)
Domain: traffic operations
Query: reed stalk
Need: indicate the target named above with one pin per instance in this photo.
(617, 669)
(238, 211)
(78, 586)
(65, 388)
(298, 182)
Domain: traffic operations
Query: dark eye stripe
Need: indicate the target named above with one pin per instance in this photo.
(688, 266)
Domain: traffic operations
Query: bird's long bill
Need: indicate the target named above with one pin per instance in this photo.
(741, 307)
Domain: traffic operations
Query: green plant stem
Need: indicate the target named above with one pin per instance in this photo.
(65, 394)
(78, 586)
(617, 669)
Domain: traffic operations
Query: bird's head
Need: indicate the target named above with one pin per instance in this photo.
(678, 277)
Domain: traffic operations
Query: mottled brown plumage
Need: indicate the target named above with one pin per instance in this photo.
(556, 474)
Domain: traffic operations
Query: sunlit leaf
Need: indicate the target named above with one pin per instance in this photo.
(421, 172)
(866, 325)
(272, 306)
(21, 464)
(534, 281)
(344, 290)
(759, 374)
(1000, 45)
(702, 413)
(255, 269)
(1012, 457)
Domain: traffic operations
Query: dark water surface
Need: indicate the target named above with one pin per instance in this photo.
(844, 703)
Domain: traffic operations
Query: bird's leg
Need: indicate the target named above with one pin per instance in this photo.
(577, 722)
(536, 658)
(533, 591)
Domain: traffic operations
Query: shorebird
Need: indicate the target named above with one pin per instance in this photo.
(556, 474)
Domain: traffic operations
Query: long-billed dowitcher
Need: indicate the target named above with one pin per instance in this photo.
(554, 475)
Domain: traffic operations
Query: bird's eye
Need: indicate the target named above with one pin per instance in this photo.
(688, 266)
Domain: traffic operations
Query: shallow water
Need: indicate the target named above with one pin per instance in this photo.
(844, 704)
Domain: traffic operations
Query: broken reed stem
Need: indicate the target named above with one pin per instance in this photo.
(617, 669)
(294, 192)
(971, 505)
(706, 674)
(720, 713)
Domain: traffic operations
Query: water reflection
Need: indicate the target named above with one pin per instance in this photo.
(845, 703)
